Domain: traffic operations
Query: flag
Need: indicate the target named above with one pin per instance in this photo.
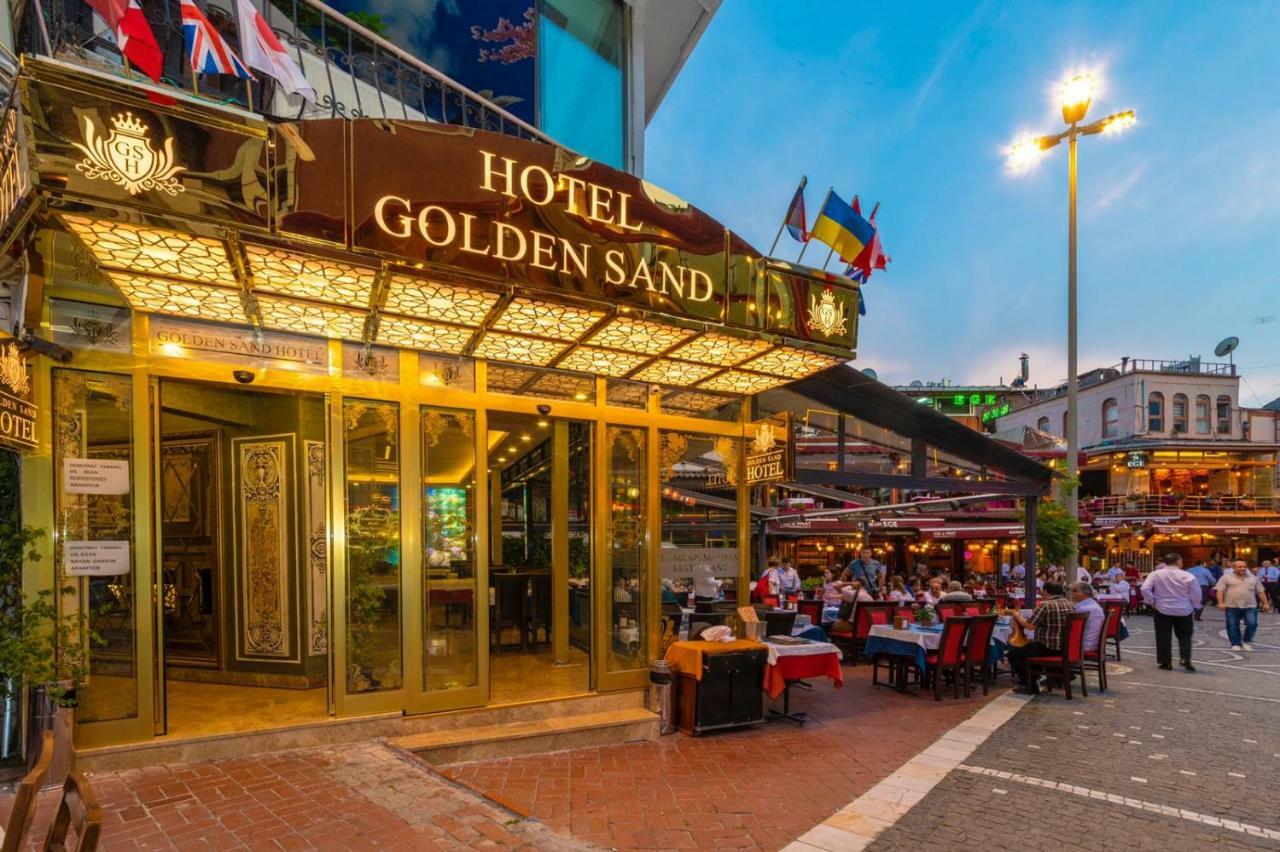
(208, 51)
(796, 219)
(263, 51)
(841, 227)
(134, 37)
(873, 256)
(858, 275)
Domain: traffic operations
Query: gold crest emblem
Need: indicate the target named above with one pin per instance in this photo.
(13, 370)
(764, 440)
(826, 315)
(126, 157)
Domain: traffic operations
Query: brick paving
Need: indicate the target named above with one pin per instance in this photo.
(750, 789)
(1163, 761)
(366, 796)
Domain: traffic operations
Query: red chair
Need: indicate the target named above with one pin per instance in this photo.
(985, 605)
(1112, 633)
(970, 609)
(947, 610)
(811, 608)
(906, 612)
(1002, 600)
(1096, 658)
(977, 645)
(950, 656)
(1071, 660)
(865, 615)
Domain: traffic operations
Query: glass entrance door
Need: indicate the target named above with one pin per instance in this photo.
(539, 546)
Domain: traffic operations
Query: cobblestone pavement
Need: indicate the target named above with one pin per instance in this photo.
(344, 797)
(747, 789)
(1164, 760)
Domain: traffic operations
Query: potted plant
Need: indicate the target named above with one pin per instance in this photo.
(924, 614)
(43, 652)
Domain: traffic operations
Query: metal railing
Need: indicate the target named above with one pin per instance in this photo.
(356, 73)
(1170, 505)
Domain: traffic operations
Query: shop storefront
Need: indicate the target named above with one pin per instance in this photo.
(364, 416)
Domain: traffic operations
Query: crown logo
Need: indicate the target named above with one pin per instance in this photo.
(826, 315)
(764, 440)
(13, 370)
(126, 157)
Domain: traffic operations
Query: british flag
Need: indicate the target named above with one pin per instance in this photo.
(209, 52)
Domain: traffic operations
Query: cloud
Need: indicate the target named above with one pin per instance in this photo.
(957, 40)
(1116, 191)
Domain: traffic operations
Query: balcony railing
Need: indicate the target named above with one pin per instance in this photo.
(356, 73)
(1172, 505)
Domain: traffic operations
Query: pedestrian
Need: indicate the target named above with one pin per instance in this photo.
(866, 569)
(1174, 595)
(1269, 574)
(1206, 580)
(1239, 594)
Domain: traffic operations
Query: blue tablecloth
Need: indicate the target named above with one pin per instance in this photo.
(817, 634)
(896, 647)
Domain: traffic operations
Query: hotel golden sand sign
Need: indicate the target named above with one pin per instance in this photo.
(17, 414)
(770, 456)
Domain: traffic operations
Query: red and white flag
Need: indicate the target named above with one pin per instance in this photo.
(133, 34)
(263, 52)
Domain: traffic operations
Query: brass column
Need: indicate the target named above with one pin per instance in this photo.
(560, 541)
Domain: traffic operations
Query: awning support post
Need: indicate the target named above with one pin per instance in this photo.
(1029, 579)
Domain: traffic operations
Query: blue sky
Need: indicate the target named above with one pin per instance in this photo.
(911, 104)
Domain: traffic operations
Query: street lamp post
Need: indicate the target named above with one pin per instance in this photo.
(1077, 95)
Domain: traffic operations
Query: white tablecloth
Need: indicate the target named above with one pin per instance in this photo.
(805, 650)
(929, 639)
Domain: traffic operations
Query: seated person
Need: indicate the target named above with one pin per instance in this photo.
(898, 592)
(956, 593)
(852, 595)
(1082, 597)
(934, 593)
(1121, 587)
(1047, 622)
(831, 588)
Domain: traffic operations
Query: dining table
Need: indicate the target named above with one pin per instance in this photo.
(793, 660)
(915, 641)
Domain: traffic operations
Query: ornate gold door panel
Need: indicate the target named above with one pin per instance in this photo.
(263, 545)
(317, 526)
(191, 532)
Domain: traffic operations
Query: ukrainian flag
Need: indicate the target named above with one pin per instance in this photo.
(842, 228)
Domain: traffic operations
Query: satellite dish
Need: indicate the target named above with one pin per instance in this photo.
(870, 374)
(917, 384)
(1226, 347)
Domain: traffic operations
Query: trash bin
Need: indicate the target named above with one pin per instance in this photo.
(664, 694)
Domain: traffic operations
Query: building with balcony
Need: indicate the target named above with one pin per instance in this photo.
(1171, 459)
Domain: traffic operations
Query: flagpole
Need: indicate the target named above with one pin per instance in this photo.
(195, 82)
(820, 209)
(804, 181)
(248, 88)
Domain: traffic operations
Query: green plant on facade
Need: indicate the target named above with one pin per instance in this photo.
(365, 603)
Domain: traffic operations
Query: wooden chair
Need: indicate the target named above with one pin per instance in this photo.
(977, 644)
(811, 608)
(24, 800)
(1071, 660)
(1112, 633)
(1002, 600)
(950, 656)
(985, 605)
(947, 610)
(1096, 658)
(865, 615)
(78, 810)
(510, 606)
(779, 623)
(540, 607)
(901, 611)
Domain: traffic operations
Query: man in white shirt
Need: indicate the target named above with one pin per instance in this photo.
(1082, 596)
(1121, 587)
(1082, 575)
(1115, 572)
(1019, 572)
(783, 579)
(1269, 575)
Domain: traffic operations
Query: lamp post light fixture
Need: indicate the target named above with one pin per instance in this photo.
(1075, 98)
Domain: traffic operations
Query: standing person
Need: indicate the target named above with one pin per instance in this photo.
(1083, 575)
(866, 569)
(1174, 595)
(1047, 622)
(1206, 580)
(1269, 574)
(1239, 594)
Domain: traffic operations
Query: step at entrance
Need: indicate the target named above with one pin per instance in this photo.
(536, 736)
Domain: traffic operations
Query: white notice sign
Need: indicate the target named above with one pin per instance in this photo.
(95, 476)
(683, 563)
(96, 558)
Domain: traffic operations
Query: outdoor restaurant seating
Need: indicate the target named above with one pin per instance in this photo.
(14, 835)
(1096, 658)
(78, 810)
(977, 642)
(949, 609)
(950, 656)
(1071, 660)
(865, 615)
(1112, 631)
(811, 607)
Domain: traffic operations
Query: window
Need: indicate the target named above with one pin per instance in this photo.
(1202, 415)
(1155, 412)
(1110, 418)
(1043, 424)
(1224, 415)
(1064, 424)
(581, 86)
(1179, 414)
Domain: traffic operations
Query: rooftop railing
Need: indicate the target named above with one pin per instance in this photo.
(356, 73)
(1173, 505)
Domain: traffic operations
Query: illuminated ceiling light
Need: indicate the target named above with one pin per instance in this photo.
(414, 297)
(601, 362)
(667, 372)
(633, 335)
(542, 424)
(151, 250)
(791, 362)
(508, 379)
(558, 385)
(547, 319)
(692, 402)
(415, 334)
(738, 381)
(289, 274)
(720, 349)
(309, 318)
(517, 349)
(526, 437)
(180, 298)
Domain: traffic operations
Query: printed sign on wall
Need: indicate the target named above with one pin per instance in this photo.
(96, 558)
(95, 476)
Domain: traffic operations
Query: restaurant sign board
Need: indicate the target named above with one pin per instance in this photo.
(770, 456)
(17, 414)
(684, 563)
(178, 338)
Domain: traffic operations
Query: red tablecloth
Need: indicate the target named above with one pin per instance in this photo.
(799, 668)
